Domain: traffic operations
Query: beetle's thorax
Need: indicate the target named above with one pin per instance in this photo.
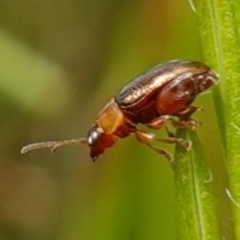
(112, 120)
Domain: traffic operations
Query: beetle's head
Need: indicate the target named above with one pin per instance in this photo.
(103, 134)
(98, 140)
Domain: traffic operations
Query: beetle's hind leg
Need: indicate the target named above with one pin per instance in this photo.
(159, 122)
(146, 138)
(185, 120)
(187, 144)
(186, 114)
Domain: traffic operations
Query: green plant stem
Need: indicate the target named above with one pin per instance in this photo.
(198, 218)
(221, 48)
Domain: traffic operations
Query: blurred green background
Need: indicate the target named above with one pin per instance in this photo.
(60, 61)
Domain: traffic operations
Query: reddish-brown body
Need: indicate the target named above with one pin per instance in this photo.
(153, 98)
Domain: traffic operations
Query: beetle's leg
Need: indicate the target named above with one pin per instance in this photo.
(190, 124)
(186, 114)
(169, 133)
(159, 122)
(187, 144)
(162, 122)
(146, 138)
(184, 118)
(53, 145)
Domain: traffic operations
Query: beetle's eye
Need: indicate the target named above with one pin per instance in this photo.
(93, 137)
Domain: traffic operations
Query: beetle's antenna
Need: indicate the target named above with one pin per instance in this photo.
(54, 145)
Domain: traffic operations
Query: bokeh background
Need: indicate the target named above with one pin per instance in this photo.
(60, 62)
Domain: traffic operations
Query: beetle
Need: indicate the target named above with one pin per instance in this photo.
(161, 95)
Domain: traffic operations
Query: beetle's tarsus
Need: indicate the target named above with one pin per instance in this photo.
(200, 109)
(186, 144)
(189, 124)
(163, 152)
(170, 133)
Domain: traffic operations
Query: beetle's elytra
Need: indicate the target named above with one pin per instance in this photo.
(153, 98)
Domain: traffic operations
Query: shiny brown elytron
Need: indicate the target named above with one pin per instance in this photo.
(161, 95)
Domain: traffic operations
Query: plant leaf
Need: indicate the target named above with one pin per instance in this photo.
(197, 207)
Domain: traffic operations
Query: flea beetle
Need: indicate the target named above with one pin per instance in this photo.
(161, 95)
